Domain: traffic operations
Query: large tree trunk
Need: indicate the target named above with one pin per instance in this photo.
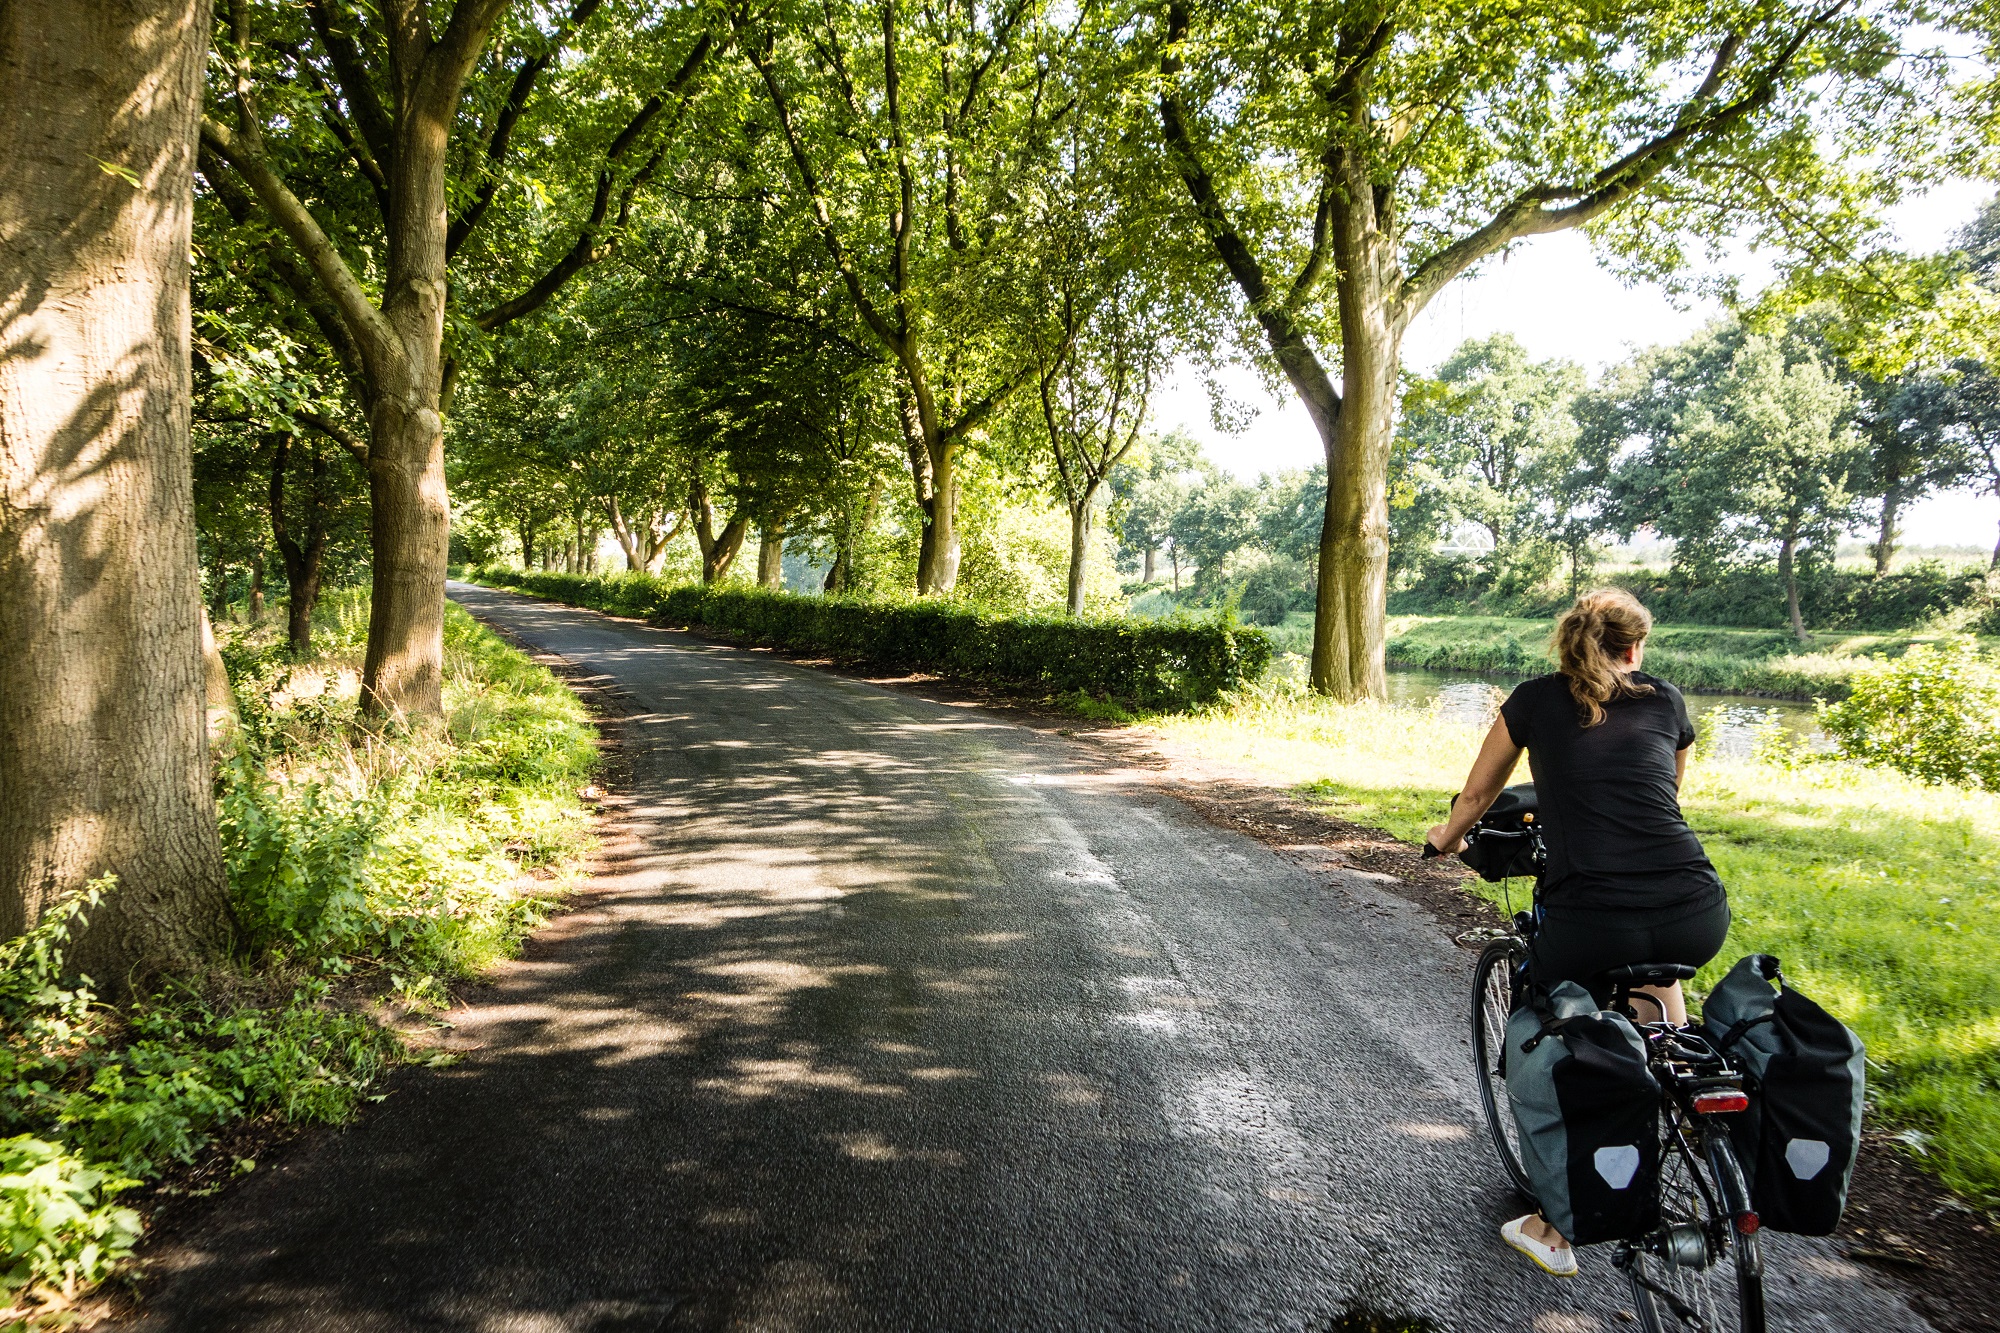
(941, 534)
(403, 672)
(104, 764)
(1353, 585)
(257, 589)
(1788, 571)
(1146, 574)
(934, 472)
(771, 558)
(1079, 547)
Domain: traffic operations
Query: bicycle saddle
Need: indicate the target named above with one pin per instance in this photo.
(1651, 974)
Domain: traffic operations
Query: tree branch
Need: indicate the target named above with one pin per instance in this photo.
(1287, 339)
(336, 432)
(503, 128)
(906, 197)
(822, 215)
(586, 249)
(374, 339)
(1527, 215)
(352, 73)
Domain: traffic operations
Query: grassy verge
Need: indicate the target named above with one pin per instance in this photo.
(1882, 896)
(1695, 657)
(368, 871)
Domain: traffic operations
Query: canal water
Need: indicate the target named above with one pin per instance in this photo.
(1729, 723)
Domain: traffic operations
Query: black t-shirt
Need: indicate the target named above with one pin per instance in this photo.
(1610, 808)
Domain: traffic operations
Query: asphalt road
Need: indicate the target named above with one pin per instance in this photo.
(892, 1015)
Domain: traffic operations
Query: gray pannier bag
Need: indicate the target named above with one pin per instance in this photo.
(1588, 1112)
(1806, 1073)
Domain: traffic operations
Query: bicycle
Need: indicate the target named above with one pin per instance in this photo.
(1702, 1269)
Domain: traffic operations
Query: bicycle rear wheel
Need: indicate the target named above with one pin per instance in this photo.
(1492, 1004)
(1696, 1272)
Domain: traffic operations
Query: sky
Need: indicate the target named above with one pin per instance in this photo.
(1551, 294)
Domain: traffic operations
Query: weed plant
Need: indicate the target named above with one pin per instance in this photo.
(363, 864)
(1880, 894)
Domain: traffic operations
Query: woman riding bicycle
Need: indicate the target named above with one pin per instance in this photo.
(1626, 880)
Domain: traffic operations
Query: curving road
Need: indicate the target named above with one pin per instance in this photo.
(890, 1015)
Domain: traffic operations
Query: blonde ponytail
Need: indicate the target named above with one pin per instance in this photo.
(1592, 638)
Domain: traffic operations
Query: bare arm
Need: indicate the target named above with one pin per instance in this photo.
(1680, 768)
(1497, 756)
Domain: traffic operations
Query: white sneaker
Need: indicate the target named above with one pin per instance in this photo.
(1556, 1262)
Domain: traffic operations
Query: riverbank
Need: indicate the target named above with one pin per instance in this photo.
(1695, 657)
(1881, 896)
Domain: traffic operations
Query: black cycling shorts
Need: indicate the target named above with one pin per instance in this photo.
(1580, 944)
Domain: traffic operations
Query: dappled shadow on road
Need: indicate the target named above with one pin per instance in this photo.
(801, 1060)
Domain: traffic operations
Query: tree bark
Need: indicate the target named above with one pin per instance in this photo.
(217, 693)
(1348, 658)
(1886, 539)
(771, 558)
(1788, 571)
(302, 560)
(1146, 574)
(104, 761)
(718, 549)
(1079, 546)
(847, 559)
(257, 589)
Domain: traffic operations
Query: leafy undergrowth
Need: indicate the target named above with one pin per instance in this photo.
(1881, 895)
(368, 870)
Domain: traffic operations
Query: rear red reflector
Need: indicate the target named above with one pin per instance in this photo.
(1719, 1103)
(1747, 1224)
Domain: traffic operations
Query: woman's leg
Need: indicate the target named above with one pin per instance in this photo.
(1668, 1000)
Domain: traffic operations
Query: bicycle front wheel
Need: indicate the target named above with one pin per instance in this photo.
(1697, 1272)
(1492, 1005)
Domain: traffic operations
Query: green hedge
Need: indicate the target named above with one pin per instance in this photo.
(1158, 663)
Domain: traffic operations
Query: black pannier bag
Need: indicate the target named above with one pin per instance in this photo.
(1588, 1112)
(1503, 845)
(1806, 1073)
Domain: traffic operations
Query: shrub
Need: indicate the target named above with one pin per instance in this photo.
(1933, 714)
(1158, 663)
(58, 1225)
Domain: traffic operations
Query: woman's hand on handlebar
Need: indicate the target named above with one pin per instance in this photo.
(1435, 844)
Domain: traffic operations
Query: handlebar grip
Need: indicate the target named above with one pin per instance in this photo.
(1431, 853)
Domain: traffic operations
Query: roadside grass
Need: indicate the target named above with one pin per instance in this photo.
(1695, 657)
(1880, 895)
(368, 870)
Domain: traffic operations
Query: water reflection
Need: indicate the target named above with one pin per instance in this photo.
(1731, 725)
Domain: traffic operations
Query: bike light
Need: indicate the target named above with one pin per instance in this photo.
(1747, 1224)
(1721, 1101)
